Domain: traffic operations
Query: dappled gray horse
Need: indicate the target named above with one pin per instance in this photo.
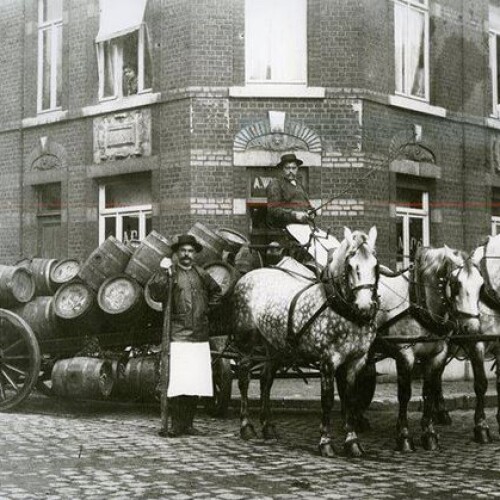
(301, 322)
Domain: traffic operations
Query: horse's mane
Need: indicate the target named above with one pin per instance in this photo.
(432, 260)
(337, 255)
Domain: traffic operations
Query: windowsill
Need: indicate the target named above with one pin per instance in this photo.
(118, 104)
(45, 117)
(267, 90)
(416, 105)
(493, 121)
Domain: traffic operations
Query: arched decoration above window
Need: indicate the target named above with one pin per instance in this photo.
(47, 155)
(408, 145)
(277, 134)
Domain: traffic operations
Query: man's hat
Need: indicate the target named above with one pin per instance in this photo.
(186, 239)
(288, 158)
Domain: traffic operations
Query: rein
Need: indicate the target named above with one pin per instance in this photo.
(488, 294)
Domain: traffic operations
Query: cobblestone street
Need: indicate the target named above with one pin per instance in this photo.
(54, 449)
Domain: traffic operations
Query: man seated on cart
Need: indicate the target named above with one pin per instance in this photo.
(288, 202)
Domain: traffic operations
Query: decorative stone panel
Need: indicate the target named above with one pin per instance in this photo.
(122, 135)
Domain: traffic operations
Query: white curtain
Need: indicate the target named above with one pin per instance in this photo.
(109, 69)
(399, 31)
(118, 18)
(276, 41)
(415, 82)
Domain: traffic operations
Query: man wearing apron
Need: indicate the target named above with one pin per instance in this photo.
(194, 292)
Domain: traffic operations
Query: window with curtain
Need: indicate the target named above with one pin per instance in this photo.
(494, 34)
(411, 47)
(49, 54)
(123, 53)
(276, 41)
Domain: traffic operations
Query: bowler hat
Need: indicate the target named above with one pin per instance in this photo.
(186, 239)
(288, 158)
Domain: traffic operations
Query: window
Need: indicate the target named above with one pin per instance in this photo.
(276, 41)
(412, 223)
(411, 47)
(494, 19)
(49, 54)
(49, 229)
(123, 54)
(125, 208)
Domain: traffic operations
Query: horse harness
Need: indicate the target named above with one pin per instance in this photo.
(418, 302)
(488, 294)
(335, 299)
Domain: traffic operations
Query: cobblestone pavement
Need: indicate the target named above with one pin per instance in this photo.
(53, 449)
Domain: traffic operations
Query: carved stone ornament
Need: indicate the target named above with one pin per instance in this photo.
(495, 153)
(291, 136)
(122, 135)
(46, 162)
(47, 155)
(407, 145)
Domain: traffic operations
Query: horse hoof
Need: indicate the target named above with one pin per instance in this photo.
(405, 444)
(482, 435)
(353, 449)
(327, 450)
(269, 432)
(247, 432)
(430, 442)
(442, 418)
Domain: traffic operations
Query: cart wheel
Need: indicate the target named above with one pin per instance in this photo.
(218, 405)
(20, 360)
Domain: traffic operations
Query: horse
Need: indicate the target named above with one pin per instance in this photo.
(487, 258)
(295, 320)
(438, 297)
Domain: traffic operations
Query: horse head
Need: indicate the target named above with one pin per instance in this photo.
(354, 272)
(454, 283)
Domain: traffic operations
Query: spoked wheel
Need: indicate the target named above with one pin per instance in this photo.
(20, 360)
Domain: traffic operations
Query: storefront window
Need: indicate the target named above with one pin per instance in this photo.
(125, 208)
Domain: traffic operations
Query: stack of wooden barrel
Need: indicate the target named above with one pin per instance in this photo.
(108, 293)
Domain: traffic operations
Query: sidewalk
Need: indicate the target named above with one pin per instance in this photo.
(295, 394)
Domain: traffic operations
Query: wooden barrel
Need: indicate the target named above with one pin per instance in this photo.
(17, 286)
(40, 269)
(39, 314)
(234, 239)
(213, 244)
(75, 305)
(247, 259)
(152, 304)
(123, 298)
(82, 378)
(147, 257)
(141, 377)
(64, 271)
(224, 274)
(109, 259)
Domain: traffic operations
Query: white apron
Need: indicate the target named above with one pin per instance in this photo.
(190, 369)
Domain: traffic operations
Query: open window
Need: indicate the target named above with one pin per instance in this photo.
(123, 50)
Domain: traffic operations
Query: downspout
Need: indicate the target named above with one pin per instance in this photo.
(464, 174)
(21, 132)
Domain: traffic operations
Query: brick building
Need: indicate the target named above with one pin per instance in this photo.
(117, 119)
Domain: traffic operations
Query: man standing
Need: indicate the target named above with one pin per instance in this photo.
(193, 292)
(287, 201)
